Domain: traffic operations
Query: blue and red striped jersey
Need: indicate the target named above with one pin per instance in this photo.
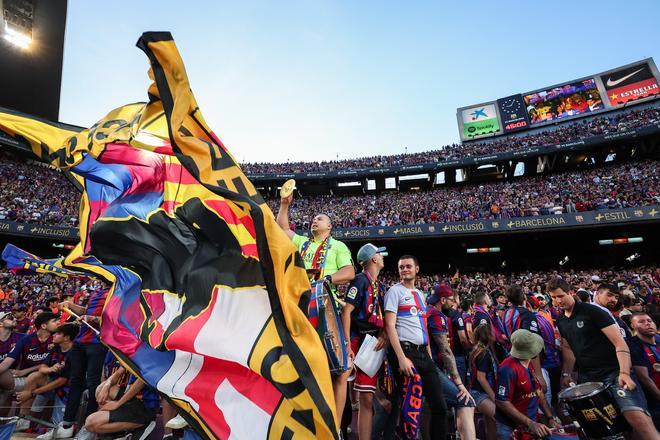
(94, 308)
(551, 354)
(517, 384)
(518, 317)
(437, 324)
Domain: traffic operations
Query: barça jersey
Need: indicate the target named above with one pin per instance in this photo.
(517, 384)
(9, 344)
(30, 351)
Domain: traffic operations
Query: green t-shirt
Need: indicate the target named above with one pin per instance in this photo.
(338, 256)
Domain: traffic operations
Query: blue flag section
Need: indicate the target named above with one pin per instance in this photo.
(7, 430)
(20, 261)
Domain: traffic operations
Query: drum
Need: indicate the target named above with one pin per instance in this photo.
(595, 409)
(565, 433)
(324, 316)
(517, 435)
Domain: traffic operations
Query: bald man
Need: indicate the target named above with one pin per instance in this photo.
(328, 258)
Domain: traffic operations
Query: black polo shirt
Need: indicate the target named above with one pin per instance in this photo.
(594, 353)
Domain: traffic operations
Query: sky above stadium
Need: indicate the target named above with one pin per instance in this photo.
(320, 80)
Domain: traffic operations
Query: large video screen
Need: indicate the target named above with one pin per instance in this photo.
(563, 102)
(629, 84)
(479, 121)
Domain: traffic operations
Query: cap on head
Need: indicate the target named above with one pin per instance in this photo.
(533, 301)
(525, 344)
(432, 299)
(443, 291)
(368, 251)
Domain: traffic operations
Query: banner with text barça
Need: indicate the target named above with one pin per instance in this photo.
(563, 102)
(204, 303)
(513, 113)
(629, 84)
(479, 121)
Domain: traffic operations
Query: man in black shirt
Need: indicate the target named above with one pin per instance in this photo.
(591, 341)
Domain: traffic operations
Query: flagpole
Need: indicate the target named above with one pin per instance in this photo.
(79, 318)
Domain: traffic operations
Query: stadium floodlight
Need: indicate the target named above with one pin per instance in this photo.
(633, 257)
(17, 38)
(564, 261)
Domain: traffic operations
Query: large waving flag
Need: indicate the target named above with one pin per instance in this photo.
(20, 261)
(205, 294)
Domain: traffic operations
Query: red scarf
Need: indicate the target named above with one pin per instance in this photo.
(318, 262)
(372, 304)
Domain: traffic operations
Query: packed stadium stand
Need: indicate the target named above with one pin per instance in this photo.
(566, 132)
(579, 200)
(34, 193)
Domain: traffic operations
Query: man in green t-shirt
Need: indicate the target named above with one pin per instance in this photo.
(330, 259)
(320, 252)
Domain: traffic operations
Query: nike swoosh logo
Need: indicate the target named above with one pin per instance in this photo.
(611, 83)
(523, 383)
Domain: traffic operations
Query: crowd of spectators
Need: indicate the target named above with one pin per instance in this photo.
(609, 187)
(641, 283)
(581, 129)
(32, 192)
(34, 290)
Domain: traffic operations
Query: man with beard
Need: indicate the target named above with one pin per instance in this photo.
(327, 259)
(457, 334)
(8, 340)
(28, 353)
(592, 341)
(8, 337)
(607, 297)
(645, 351)
(456, 394)
(23, 322)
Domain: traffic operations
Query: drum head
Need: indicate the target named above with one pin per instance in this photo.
(582, 390)
(287, 188)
